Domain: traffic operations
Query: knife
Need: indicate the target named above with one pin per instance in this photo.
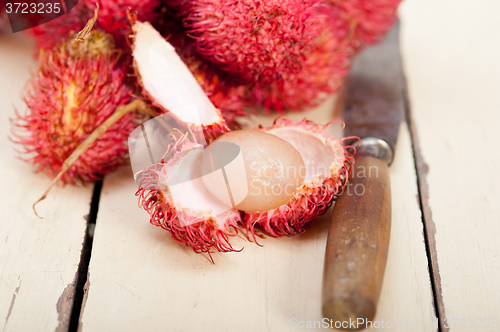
(358, 239)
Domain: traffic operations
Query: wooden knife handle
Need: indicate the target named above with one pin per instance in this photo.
(357, 245)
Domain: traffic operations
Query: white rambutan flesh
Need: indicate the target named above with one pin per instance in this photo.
(272, 173)
(327, 165)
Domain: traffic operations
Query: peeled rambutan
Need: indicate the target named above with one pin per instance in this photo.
(112, 19)
(289, 174)
(76, 87)
(196, 191)
(327, 167)
(168, 83)
(224, 90)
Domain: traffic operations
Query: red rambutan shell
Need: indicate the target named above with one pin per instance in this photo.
(327, 61)
(259, 40)
(67, 98)
(277, 66)
(169, 84)
(373, 18)
(289, 55)
(315, 195)
(205, 232)
(50, 34)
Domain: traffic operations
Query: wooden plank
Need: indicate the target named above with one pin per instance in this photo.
(451, 54)
(141, 279)
(38, 258)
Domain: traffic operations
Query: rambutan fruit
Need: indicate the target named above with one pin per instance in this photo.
(271, 170)
(326, 63)
(75, 88)
(327, 167)
(286, 55)
(290, 172)
(112, 19)
(259, 40)
(50, 34)
(290, 54)
(373, 18)
(286, 175)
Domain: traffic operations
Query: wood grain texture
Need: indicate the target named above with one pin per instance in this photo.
(406, 298)
(38, 258)
(453, 69)
(358, 243)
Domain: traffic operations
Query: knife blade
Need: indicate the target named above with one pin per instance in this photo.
(358, 239)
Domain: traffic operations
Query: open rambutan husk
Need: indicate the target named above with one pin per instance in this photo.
(75, 88)
(190, 214)
(328, 165)
(196, 227)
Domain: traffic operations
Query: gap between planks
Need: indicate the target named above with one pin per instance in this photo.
(421, 169)
(81, 278)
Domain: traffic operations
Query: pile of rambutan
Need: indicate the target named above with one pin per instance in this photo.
(135, 60)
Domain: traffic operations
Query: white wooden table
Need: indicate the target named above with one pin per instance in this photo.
(444, 254)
